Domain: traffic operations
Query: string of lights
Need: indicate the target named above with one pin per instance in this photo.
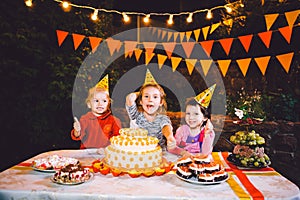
(66, 5)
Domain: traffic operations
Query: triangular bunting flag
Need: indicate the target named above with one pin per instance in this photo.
(244, 65)
(270, 19)
(129, 47)
(137, 53)
(154, 30)
(188, 48)
(77, 39)
(285, 60)
(226, 44)
(61, 36)
(291, 17)
(224, 65)
(161, 60)
(163, 34)
(262, 63)
(266, 37)
(149, 46)
(181, 34)
(207, 46)
(175, 62)
(103, 83)
(188, 35)
(113, 45)
(190, 64)
(214, 27)
(205, 31)
(197, 34)
(205, 64)
(175, 36)
(148, 57)
(169, 48)
(246, 41)
(169, 35)
(158, 33)
(94, 41)
(286, 32)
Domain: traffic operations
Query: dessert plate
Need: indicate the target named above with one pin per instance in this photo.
(195, 181)
(72, 183)
(44, 170)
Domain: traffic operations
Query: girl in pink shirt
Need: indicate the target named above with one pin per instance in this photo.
(197, 135)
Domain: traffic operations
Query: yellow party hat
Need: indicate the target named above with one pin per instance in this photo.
(149, 78)
(103, 83)
(204, 97)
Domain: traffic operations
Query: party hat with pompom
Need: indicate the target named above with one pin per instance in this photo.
(204, 97)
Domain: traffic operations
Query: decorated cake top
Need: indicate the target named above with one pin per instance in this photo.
(134, 132)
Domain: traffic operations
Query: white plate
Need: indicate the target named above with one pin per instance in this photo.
(77, 183)
(44, 170)
(195, 181)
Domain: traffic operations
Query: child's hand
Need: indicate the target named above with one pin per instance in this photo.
(130, 99)
(209, 126)
(76, 126)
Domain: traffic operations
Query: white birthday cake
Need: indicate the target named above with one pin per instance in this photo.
(133, 150)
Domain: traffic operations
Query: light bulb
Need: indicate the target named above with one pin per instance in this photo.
(190, 18)
(147, 19)
(170, 20)
(28, 3)
(65, 4)
(209, 14)
(94, 16)
(125, 17)
(228, 9)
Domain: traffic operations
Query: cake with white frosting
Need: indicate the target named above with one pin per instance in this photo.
(53, 162)
(133, 150)
(72, 174)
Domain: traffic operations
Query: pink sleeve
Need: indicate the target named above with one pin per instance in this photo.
(207, 145)
(179, 135)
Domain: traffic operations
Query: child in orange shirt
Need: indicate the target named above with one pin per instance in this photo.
(97, 126)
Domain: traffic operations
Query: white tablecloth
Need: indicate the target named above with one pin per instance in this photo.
(21, 182)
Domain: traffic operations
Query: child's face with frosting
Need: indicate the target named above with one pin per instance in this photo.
(193, 116)
(99, 103)
(151, 100)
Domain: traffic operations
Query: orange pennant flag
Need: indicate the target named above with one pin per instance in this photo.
(190, 64)
(94, 41)
(181, 34)
(163, 34)
(188, 35)
(214, 27)
(244, 65)
(262, 63)
(137, 53)
(205, 32)
(285, 60)
(161, 60)
(169, 48)
(224, 65)
(266, 37)
(226, 44)
(270, 19)
(291, 17)
(246, 41)
(188, 48)
(176, 36)
(206, 65)
(197, 34)
(175, 62)
(149, 46)
(286, 32)
(129, 47)
(148, 57)
(169, 35)
(77, 39)
(207, 46)
(61, 36)
(113, 45)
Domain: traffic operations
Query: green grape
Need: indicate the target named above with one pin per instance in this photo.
(244, 162)
(251, 159)
(256, 164)
(232, 138)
